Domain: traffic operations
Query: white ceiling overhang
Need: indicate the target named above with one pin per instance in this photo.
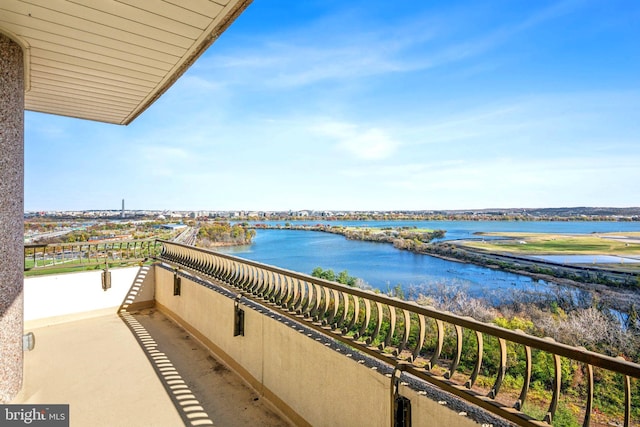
(109, 60)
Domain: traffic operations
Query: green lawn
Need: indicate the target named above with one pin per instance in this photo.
(59, 268)
(540, 243)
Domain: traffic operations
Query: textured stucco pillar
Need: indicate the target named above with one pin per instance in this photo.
(11, 217)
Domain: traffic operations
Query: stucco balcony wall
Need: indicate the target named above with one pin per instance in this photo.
(53, 299)
(309, 382)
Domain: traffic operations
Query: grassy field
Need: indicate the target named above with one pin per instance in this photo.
(561, 244)
(80, 267)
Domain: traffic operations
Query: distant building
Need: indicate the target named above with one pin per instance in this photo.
(173, 226)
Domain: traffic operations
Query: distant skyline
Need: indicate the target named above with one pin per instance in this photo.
(371, 105)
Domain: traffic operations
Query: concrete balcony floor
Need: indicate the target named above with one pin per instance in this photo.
(138, 369)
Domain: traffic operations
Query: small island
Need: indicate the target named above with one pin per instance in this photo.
(218, 234)
(407, 238)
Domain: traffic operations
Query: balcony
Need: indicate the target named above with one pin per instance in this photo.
(199, 338)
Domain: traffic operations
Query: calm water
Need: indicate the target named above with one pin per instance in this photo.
(382, 266)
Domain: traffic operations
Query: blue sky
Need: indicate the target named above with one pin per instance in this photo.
(372, 105)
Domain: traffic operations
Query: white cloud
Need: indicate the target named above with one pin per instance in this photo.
(164, 161)
(362, 142)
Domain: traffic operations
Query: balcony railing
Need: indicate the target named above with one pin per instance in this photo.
(452, 352)
(56, 256)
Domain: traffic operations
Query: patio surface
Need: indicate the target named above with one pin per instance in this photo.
(140, 369)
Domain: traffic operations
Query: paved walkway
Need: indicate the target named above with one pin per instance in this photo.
(138, 370)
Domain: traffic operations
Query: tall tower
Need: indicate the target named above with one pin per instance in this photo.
(122, 213)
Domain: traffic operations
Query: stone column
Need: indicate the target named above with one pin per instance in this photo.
(11, 217)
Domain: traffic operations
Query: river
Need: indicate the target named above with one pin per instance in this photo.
(382, 266)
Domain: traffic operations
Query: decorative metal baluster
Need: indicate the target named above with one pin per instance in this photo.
(356, 315)
(229, 271)
(174, 254)
(190, 260)
(367, 318)
(217, 267)
(456, 359)
(627, 401)
(405, 335)
(302, 303)
(420, 341)
(226, 271)
(335, 299)
(231, 279)
(245, 279)
(296, 300)
(285, 296)
(201, 261)
(181, 254)
(308, 301)
(258, 280)
(262, 282)
(228, 276)
(209, 265)
(502, 370)
(280, 283)
(188, 256)
(272, 289)
(221, 269)
(476, 369)
(222, 275)
(345, 311)
(527, 380)
(323, 307)
(213, 266)
(391, 330)
(589, 405)
(439, 341)
(271, 286)
(241, 276)
(254, 280)
(195, 263)
(557, 382)
(317, 294)
(379, 317)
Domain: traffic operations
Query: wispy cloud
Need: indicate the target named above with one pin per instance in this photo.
(323, 52)
(365, 143)
(163, 161)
